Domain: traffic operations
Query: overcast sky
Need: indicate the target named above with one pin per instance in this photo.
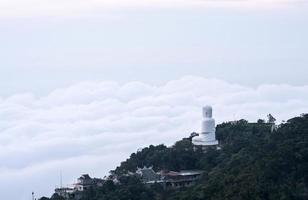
(80, 80)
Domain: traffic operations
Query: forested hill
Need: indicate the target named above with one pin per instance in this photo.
(253, 163)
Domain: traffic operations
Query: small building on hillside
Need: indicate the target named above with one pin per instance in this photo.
(169, 179)
(84, 183)
(65, 192)
(184, 178)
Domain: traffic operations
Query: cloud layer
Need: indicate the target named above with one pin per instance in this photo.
(91, 126)
(16, 8)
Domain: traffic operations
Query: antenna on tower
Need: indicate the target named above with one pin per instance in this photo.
(60, 178)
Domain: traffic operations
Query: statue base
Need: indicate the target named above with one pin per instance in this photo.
(200, 141)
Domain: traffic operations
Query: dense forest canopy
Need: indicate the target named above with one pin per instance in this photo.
(255, 162)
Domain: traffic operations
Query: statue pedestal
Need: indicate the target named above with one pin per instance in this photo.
(202, 141)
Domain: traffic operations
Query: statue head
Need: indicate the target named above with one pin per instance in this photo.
(207, 112)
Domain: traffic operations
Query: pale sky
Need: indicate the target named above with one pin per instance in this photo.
(81, 80)
(249, 43)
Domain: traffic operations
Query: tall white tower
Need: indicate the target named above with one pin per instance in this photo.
(207, 136)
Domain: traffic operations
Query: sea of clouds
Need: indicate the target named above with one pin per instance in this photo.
(90, 127)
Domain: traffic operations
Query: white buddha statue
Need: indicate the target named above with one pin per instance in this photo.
(207, 136)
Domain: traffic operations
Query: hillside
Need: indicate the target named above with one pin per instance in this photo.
(253, 163)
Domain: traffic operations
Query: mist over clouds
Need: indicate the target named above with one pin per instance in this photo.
(90, 127)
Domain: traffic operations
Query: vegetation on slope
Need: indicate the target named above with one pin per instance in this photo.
(253, 163)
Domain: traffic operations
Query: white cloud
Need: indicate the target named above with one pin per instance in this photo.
(17, 8)
(91, 126)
